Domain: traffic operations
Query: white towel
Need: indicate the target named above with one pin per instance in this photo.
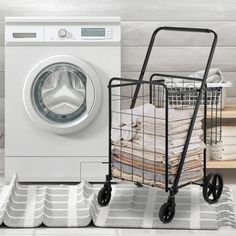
(148, 113)
(214, 76)
(156, 142)
(160, 130)
(172, 151)
(125, 132)
(116, 134)
(195, 151)
(128, 132)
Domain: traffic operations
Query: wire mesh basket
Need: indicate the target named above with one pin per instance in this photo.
(160, 128)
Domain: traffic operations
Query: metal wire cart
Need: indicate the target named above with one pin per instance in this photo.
(159, 130)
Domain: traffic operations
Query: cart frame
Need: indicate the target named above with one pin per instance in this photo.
(167, 210)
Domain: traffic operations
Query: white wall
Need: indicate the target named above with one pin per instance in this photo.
(139, 19)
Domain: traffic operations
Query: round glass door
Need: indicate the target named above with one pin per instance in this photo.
(59, 92)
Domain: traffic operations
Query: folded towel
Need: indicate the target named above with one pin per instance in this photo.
(189, 166)
(135, 177)
(116, 134)
(194, 148)
(160, 129)
(148, 113)
(155, 158)
(128, 132)
(156, 142)
(214, 76)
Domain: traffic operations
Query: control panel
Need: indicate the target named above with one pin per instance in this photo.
(82, 32)
(58, 33)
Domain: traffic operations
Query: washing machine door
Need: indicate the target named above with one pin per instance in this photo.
(62, 94)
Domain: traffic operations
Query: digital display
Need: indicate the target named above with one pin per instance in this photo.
(24, 35)
(93, 32)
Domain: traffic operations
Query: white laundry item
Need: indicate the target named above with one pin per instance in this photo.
(214, 76)
(135, 150)
(160, 129)
(196, 132)
(148, 113)
(131, 116)
(125, 132)
(171, 125)
(180, 134)
(156, 142)
(172, 151)
(128, 132)
(116, 134)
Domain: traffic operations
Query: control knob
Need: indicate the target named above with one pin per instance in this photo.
(62, 33)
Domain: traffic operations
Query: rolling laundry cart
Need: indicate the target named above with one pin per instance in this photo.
(157, 127)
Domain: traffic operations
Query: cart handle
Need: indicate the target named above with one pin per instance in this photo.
(180, 29)
(185, 29)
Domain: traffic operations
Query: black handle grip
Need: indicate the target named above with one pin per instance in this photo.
(186, 29)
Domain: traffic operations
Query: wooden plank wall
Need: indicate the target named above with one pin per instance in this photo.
(178, 54)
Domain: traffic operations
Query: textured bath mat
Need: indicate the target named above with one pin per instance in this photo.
(130, 206)
(54, 206)
(139, 207)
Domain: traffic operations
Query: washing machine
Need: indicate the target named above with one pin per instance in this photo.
(56, 106)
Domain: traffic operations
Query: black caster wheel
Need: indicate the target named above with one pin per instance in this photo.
(104, 196)
(167, 212)
(212, 188)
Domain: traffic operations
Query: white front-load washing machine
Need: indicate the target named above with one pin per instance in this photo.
(56, 76)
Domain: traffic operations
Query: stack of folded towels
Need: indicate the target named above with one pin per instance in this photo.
(139, 145)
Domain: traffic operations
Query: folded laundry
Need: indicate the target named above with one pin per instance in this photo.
(125, 132)
(140, 145)
(182, 129)
(149, 178)
(135, 151)
(148, 113)
(128, 132)
(155, 141)
(155, 166)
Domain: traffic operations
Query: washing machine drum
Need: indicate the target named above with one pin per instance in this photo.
(62, 94)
